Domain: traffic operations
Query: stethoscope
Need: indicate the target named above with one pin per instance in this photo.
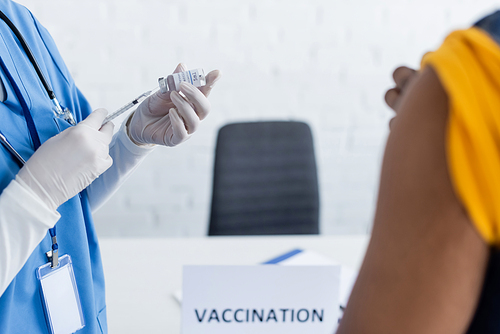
(63, 113)
(59, 111)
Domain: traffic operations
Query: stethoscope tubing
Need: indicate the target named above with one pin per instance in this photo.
(64, 113)
(30, 55)
(11, 149)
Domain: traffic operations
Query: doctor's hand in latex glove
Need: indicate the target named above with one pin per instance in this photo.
(67, 163)
(169, 118)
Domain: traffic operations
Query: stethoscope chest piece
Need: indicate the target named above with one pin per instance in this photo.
(63, 113)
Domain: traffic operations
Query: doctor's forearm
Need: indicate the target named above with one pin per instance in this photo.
(126, 158)
(24, 221)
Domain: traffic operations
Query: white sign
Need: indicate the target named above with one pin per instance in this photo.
(260, 299)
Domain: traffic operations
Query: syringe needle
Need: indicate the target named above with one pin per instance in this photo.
(130, 105)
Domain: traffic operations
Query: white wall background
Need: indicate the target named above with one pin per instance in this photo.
(326, 62)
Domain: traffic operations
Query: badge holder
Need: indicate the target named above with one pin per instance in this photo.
(61, 301)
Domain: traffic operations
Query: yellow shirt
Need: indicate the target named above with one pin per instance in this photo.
(468, 66)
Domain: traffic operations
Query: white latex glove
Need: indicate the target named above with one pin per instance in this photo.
(168, 118)
(68, 162)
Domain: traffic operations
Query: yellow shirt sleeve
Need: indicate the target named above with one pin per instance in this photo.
(468, 66)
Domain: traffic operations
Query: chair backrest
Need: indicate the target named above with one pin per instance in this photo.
(265, 180)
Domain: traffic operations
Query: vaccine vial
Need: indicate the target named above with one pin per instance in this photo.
(172, 82)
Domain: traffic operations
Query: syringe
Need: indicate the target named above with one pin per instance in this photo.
(168, 84)
(135, 102)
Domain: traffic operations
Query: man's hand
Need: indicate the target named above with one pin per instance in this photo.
(169, 118)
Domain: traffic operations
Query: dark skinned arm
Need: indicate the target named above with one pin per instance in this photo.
(425, 264)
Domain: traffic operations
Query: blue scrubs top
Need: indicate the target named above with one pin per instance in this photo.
(21, 308)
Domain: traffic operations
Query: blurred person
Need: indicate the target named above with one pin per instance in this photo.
(432, 265)
(59, 168)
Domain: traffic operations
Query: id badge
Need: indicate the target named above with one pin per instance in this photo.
(62, 305)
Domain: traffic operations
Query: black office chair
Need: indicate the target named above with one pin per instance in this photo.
(265, 180)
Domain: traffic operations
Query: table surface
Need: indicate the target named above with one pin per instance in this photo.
(142, 274)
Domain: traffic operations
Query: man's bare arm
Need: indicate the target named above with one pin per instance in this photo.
(424, 267)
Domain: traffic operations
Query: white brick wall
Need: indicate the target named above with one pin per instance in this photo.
(326, 62)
